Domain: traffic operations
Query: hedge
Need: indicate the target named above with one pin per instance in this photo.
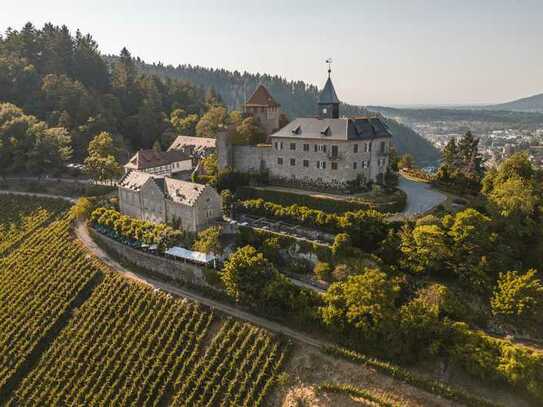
(432, 386)
(366, 228)
(324, 204)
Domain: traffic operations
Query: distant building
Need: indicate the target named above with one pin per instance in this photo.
(324, 153)
(161, 163)
(263, 106)
(196, 147)
(167, 200)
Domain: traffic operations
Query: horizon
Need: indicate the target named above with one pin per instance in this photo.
(406, 64)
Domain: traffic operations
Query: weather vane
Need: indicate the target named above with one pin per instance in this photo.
(329, 62)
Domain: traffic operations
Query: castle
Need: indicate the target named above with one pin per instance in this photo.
(323, 153)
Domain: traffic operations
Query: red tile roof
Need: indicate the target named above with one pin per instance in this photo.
(262, 97)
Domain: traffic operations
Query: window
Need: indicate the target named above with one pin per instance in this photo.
(335, 151)
(321, 165)
(280, 145)
(355, 148)
(369, 146)
(324, 148)
(383, 147)
(293, 146)
(355, 165)
(324, 110)
(280, 160)
(306, 163)
(334, 166)
(316, 148)
(365, 147)
(365, 164)
(306, 147)
(276, 145)
(292, 162)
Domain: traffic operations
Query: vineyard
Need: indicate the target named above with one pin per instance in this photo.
(21, 217)
(38, 283)
(74, 333)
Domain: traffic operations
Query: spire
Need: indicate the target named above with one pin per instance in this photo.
(328, 100)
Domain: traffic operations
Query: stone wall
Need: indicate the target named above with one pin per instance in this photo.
(155, 264)
(251, 159)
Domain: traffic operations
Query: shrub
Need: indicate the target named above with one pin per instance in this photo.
(323, 271)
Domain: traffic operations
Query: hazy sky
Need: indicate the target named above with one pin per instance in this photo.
(385, 52)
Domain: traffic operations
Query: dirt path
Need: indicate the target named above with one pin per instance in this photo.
(31, 194)
(82, 234)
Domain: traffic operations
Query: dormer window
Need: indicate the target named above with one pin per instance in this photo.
(324, 111)
(326, 131)
(297, 130)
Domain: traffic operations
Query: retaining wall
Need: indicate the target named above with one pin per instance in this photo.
(155, 264)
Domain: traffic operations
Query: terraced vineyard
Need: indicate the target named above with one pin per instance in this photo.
(75, 333)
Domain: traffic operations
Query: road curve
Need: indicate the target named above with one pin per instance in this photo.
(421, 197)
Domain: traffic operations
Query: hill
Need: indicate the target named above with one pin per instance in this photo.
(297, 99)
(529, 104)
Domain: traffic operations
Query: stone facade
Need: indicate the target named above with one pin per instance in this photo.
(165, 200)
(263, 107)
(324, 153)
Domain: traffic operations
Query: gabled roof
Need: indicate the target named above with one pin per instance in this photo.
(144, 159)
(262, 97)
(359, 128)
(328, 95)
(134, 180)
(182, 192)
(197, 142)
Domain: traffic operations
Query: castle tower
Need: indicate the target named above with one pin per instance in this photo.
(328, 100)
(263, 106)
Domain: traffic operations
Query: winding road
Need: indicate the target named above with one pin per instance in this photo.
(421, 197)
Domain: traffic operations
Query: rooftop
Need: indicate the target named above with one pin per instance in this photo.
(183, 192)
(144, 159)
(188, 141)
(261, 98)
(328, 94)
(357, 128)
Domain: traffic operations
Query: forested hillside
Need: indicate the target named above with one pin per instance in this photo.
(58, 93)
(297, 98)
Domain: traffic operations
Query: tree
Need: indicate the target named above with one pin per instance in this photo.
(101, 163)
(424, 248)
(246, 274)
(406, 161)
(184, 124)
(227, 201)
(450, 153)
(363, 303)
(518, 299)
(342, 242)
(210, 165)
(210, 122)
(209, 241)
(249, 132)
(420, 321)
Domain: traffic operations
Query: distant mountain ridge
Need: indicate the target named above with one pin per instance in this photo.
(529, 104)
(297, 99)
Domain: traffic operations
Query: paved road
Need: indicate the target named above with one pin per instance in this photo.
(421, 197)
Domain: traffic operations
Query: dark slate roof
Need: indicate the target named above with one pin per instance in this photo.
(357, 128)
(144, 159)
(262, 98)
(328, 94)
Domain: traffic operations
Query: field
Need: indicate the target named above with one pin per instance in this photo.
(75, 333)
